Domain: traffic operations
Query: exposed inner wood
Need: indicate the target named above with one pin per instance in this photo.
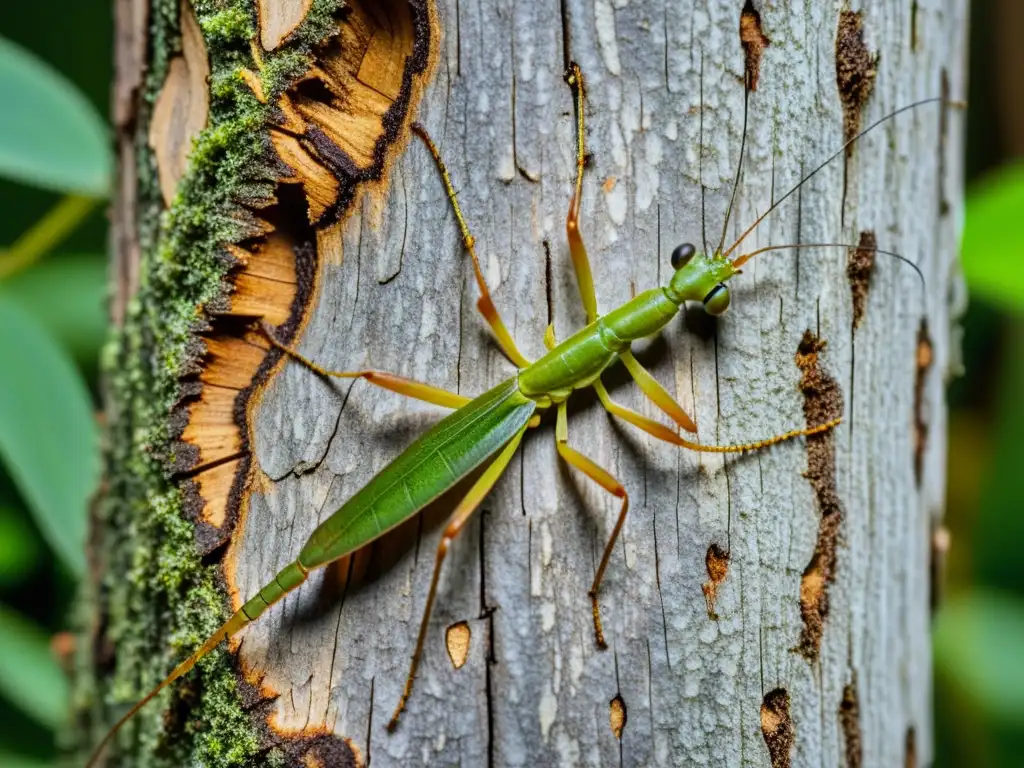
(279, 18)
(337, 131)
(183, 106)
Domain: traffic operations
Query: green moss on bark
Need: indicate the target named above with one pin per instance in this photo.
(159, 600)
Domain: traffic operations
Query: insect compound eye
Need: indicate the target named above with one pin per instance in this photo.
(682, 254)
(716, 302)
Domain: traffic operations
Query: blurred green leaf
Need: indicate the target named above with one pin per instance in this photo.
(979, 637)
(68, 296)
(29, 675)
(19, 548)
(993, 252)
(50, 135)
(48, 436)
(10, 760)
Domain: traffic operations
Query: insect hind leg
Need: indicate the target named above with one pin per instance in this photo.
(605, 479)
(456, 522)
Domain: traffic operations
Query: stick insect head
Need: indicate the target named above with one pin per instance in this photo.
(699, 277)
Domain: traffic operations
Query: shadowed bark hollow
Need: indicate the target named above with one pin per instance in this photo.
(767, 609)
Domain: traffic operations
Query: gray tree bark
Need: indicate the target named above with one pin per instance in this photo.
(751, 679)
(768, 609)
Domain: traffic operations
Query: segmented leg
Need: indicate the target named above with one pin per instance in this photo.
(580, 262)
(484, 304)
(389, 381)
(603, 478)
(662, 432)
(657, 394)
(456, 522)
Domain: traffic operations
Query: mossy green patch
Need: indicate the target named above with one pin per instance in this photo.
(159, 599)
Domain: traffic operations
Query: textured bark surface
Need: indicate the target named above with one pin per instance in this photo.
(694, 690)
(770, 609)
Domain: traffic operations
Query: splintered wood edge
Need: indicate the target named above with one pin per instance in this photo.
(274, 278)
(182, 107)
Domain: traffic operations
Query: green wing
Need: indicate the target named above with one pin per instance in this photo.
(434, 463)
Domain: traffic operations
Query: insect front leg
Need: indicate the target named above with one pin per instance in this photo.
(657, 393)
(580, 261)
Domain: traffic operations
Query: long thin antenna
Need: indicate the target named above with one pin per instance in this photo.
(743, 258)
(739, 165)
(700, 158)
(832, 157)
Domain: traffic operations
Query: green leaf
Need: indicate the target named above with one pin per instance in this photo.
(29, 675)
(978, 647)
(48, 436)
(50, 135)
(19, 547)
(67, 294)
(11, 760)
(993, 251)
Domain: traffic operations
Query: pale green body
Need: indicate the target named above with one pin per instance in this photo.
(466, 439)
(461, 442)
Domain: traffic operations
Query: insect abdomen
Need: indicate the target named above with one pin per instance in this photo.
(434, 463)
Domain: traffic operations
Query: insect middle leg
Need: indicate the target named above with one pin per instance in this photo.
(603, 478)
(660, 431)
(390, 381)
(456, 522)
(484, 304)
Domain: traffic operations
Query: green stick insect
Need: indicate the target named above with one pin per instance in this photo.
(486, 431)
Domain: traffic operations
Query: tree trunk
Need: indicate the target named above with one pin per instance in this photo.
(766, 609)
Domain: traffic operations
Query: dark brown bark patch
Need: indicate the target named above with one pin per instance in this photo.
(910, 750)
(319, 750)
(925, 356)
(849, 719)
(860, 265)
(457, 639)
(823, 402)
(942, 540)
(754, 41)
(717, 563)
(777, 727)
(855, 71)
(617, 716)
